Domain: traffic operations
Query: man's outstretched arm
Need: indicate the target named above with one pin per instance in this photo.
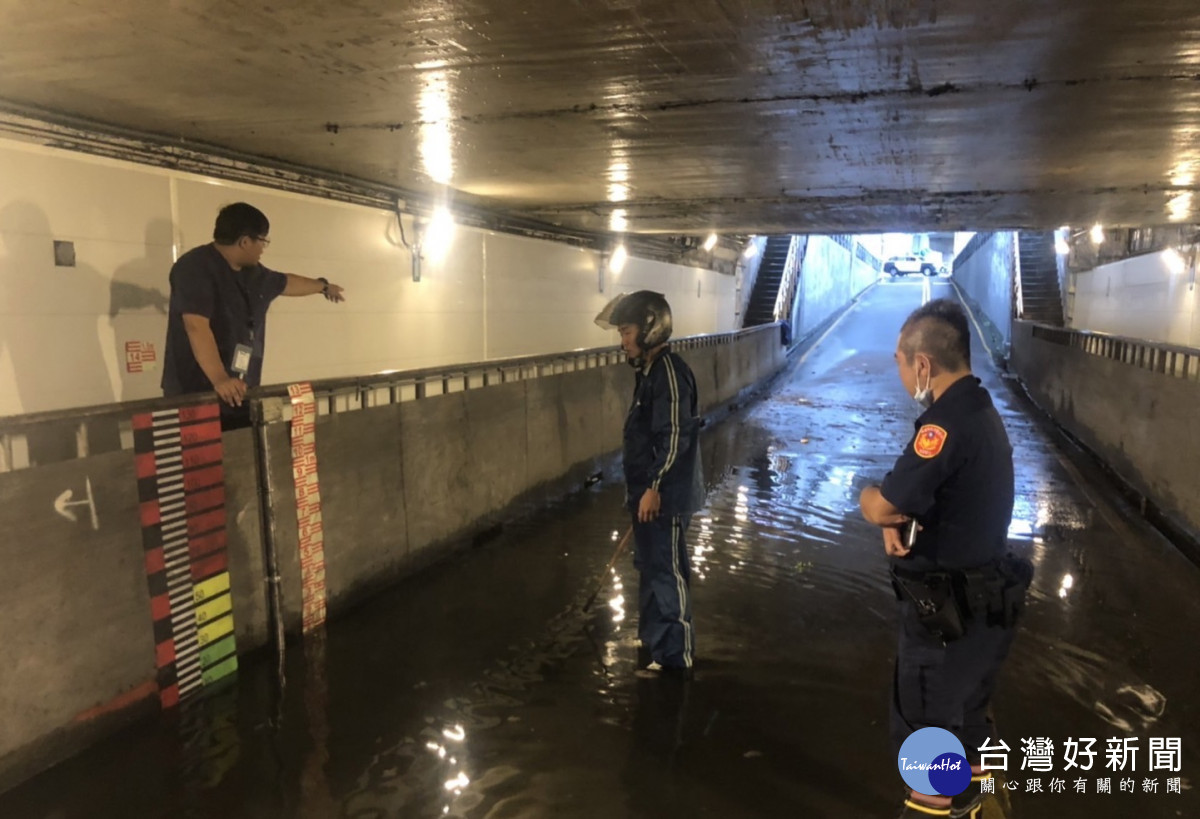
(304, 286)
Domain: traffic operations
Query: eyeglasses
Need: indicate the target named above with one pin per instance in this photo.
(263, 239)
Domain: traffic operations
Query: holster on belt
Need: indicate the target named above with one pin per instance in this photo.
(932, 593)
(993, 595)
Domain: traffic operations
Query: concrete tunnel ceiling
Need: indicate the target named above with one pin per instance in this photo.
(743, 116)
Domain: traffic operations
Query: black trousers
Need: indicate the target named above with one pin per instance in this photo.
(946, 686)
(664, 599)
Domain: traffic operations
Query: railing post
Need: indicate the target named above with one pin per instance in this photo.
(266, 516)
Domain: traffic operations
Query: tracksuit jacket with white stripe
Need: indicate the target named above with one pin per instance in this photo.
(662, 434)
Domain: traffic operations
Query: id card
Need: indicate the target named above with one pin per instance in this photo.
(241, 359)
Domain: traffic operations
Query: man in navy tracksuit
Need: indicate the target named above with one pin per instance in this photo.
(663, 478)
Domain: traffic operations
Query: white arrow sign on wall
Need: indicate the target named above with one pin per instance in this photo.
(63, 504)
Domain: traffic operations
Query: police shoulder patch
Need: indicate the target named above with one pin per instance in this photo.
(929, 441)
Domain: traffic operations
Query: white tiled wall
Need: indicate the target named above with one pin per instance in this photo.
(830, 277)
(63, 330)
(1139, 298)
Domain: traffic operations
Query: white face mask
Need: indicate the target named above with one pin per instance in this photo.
(924, 397)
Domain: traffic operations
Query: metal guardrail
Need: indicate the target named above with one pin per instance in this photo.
(846, 240)
(867, 256)
(791, 274)
(108, 427)
(1018, 281)
(1166, 359)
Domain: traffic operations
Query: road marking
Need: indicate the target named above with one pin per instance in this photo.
(979, 330)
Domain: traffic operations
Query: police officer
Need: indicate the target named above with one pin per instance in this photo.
(663, 479)
(944, 510)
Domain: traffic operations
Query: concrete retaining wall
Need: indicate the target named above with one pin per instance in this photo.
(401, 485)
(1143, 424)
(829, 280)
(986, 279)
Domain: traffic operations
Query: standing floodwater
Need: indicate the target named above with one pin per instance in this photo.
(478, 688)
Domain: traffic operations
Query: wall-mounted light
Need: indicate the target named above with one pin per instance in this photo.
(1097, 234)
(619, 257)
(710, 242)
(1174, 261)
(432, 235)
(439, 234)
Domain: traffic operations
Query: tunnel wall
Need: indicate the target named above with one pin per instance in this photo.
(401, 484)
(64, 330)
(1140, 298)
(984, 273)
(830, 278)
(1143, 424)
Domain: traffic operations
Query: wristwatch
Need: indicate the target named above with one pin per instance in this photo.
(324, 281)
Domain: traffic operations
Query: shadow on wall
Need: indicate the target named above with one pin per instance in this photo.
(137, 309)
(55, 351)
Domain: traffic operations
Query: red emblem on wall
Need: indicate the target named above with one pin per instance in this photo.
(139, 356)
(929, 441)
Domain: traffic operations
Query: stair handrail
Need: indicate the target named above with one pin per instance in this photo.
(790, 267)
(1017, 275)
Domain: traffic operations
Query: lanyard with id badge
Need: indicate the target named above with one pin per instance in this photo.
(242, 353)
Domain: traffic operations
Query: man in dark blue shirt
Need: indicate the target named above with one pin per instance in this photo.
(220, 293)
(959, 591)
(663, 478)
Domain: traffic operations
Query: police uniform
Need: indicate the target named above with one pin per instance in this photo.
(959, 592)
(661, 451)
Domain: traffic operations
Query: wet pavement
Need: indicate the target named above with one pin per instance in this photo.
(479, 689)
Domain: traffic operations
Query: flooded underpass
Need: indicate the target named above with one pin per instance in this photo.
(480, 688)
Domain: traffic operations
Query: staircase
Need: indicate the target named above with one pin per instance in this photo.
(761, 309)
(1041, 296)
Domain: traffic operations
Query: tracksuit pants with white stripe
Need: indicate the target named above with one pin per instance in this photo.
(664, 600)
